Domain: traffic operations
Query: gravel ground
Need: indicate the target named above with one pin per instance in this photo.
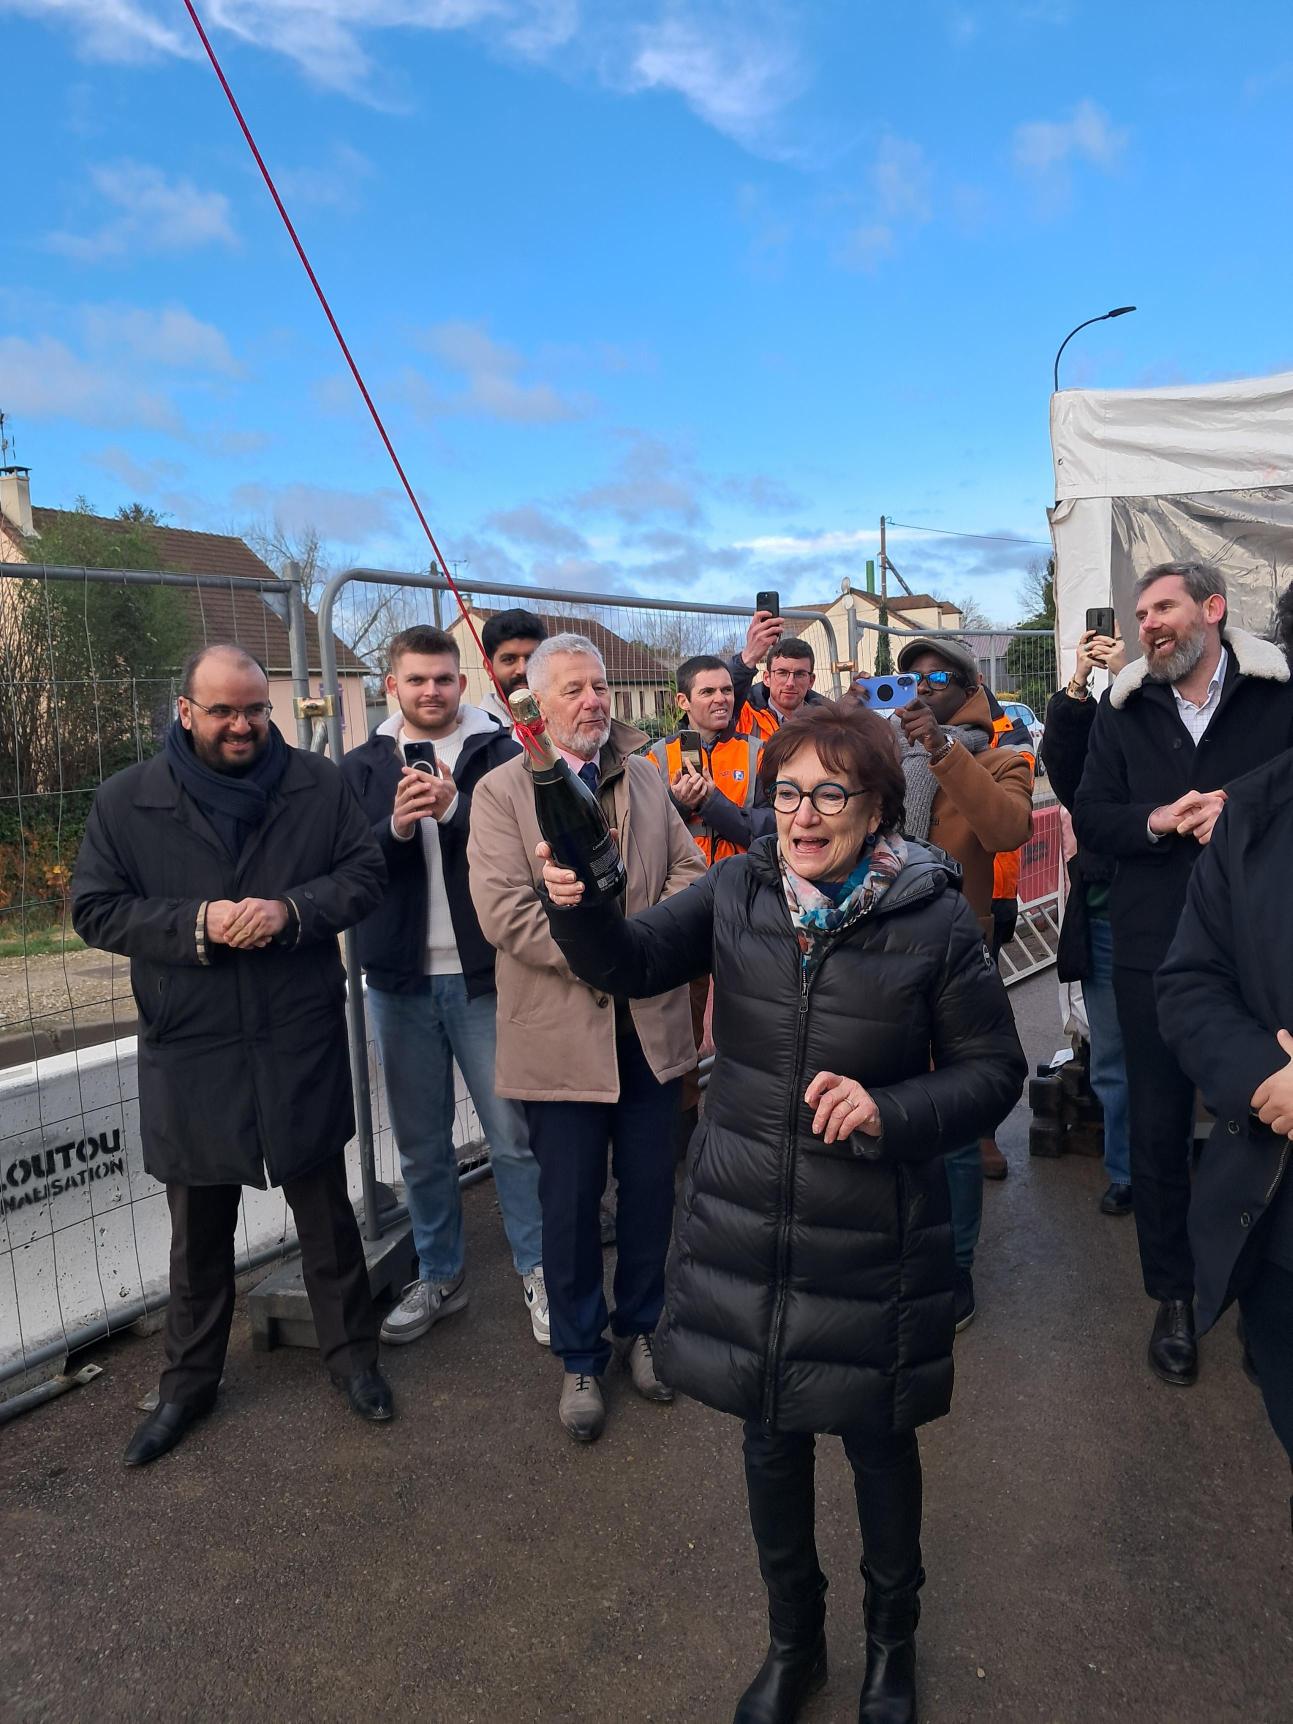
(1101, 1549)
(47, 990)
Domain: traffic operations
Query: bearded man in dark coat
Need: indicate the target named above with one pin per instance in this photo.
(224, 868)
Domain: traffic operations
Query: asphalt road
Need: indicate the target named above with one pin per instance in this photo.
(1099, 1546)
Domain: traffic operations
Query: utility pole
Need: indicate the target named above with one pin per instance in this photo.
(883, 657)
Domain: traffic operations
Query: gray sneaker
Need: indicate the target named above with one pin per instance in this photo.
(582, 1410)
(422, 1306)
(634, 1352)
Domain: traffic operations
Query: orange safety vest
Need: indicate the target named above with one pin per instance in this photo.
(1005, 864)
(758, 721)
(734, 767)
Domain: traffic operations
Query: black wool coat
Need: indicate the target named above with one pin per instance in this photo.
(243, 1067)
(1141, 757)
(1224, 992)
(1065, 740)
(810, 1285)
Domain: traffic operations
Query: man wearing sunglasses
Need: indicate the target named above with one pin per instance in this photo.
(972, 800)
(224, 868)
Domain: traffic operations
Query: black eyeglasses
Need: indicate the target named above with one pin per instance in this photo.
(825, 798)
(256, 713)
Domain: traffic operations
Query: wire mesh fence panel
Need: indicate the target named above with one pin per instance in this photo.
(89, 670)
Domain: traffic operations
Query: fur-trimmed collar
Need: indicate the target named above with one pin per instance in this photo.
(1252, 655)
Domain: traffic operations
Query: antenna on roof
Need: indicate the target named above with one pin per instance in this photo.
(5, 444)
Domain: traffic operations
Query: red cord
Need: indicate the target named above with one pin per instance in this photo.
(348, 356)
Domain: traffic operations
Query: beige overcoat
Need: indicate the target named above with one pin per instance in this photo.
(556, 1036)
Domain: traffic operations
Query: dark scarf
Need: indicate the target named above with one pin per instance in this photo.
(234, 803)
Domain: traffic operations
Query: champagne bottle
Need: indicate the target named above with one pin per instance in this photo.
(570, 816)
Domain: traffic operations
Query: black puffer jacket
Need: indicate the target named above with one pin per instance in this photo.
(810, 1285)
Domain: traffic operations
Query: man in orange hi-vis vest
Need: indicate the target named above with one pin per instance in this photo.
(712, 770)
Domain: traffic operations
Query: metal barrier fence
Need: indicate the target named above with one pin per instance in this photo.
(89, 671)
(89, 662)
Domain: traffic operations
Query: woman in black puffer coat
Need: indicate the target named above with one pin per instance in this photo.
(861, 1030)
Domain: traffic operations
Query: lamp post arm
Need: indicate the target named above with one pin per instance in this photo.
(1072, 332)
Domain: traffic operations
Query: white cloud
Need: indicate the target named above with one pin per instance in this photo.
(735, 65)
(651, 481)
(898, 198)
(334, 186)
(736, 78)
(494, 387)
(530, 525)
(343, 517)
(114, 366)
(44, 379)
(119, 31)
(901, 180)
(156, 214)
(172, 339)
(1042, 146)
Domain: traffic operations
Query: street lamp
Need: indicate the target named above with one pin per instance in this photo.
(1118, 311)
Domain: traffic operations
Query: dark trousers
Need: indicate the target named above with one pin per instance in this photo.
(203, 1220)
(779, 1469)
(569, 1140)
(1160, 1107)
(1267, 1308)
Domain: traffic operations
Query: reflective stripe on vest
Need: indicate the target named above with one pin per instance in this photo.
(734, 767)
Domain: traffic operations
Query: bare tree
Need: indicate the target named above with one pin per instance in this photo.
(364, 614)
(974, 619)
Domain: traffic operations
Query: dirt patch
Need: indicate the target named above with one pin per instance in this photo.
(47, 1001)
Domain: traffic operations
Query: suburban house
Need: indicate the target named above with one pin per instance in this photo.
(223, 608)
(917, 612)
(641, 683)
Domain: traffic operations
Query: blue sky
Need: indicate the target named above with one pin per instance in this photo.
(667, 298)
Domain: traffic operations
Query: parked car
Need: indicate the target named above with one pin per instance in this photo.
(1024, 714)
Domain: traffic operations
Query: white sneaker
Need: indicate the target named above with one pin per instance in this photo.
(423, 1304)
(536, 1298)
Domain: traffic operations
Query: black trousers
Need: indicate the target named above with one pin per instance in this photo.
(1160, 1106)
(779, 1480)
(570, 1140)
(1267, 1308)
(203, 1220)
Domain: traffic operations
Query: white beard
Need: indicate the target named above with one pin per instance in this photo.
(585, 746)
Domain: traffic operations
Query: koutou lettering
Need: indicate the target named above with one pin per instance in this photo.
(43, 1174)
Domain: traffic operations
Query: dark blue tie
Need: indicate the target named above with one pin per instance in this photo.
(591, 775)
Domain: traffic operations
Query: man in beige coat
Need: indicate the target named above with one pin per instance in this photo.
(593, 1072)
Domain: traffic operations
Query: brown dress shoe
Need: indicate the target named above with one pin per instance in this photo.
(995, 1165)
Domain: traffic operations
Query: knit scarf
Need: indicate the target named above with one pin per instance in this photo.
(234, 802)
(922, 786)
(815, 914)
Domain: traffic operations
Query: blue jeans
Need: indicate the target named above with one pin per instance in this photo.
(1108, 1073)
(420, 1036)
(965, 1194)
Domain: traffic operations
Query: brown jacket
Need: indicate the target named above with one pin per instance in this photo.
(984, 804)
(556, 1035)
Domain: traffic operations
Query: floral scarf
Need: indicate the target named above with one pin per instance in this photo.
(816, 914)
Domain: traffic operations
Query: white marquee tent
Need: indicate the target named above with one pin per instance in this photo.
(1145, 476)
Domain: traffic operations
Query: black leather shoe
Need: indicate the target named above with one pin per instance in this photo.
(1173, 1350)
(163, 1428)
(1116, 1200)
(369, 1394)
(889, 1687)
(794, 1669)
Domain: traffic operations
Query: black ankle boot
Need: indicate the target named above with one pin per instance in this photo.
(889, 1687)
(794, 1668)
